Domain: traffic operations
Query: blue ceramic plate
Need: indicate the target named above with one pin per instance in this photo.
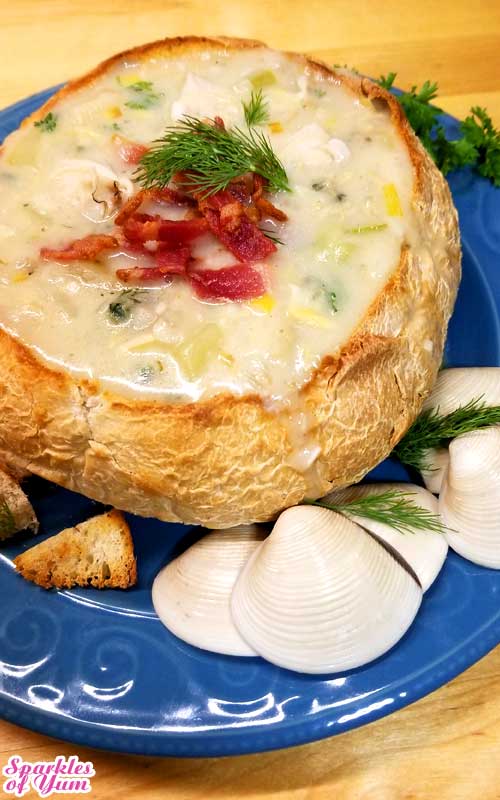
(98, 668)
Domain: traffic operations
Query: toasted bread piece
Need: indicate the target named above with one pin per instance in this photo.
(98, 552)
(16, 512)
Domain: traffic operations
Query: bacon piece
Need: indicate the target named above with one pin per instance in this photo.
(165, 195)
(146, 228)
(268, 209)
(144, 274)
(239, 234)
(173, 261)
(131, 206)
(264, 206)
(86, 249)
(130, 152)
(237, 282)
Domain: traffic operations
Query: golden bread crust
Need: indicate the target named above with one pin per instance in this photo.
(227, 460)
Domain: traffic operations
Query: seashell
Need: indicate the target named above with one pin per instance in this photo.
(458, 386)
(321, 595)
(424, 551)
(438, 459)
(470, 499)
(191, 595)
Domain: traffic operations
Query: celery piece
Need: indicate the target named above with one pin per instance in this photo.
(263, 79)
(368, 228)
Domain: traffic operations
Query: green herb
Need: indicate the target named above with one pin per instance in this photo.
(332, 301)
(256, 110)
(48, 123)
(7, 521)
(211, 157)
(272, 236)
(141, 86)
(393, 508)
(478, 146)
(318, 92)
(120, 310)
(146, 96)
(318, 186)
(367, 228)
(432, 429)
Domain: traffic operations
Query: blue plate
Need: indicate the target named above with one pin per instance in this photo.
(98, 668)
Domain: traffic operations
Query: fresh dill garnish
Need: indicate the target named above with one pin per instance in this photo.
(478, 145)
(272, 236)
(7, 521)
(210, 157)
(120, 309)
(332, 301)
(393, 507)
(256, 110)
(48, 123)
(432, 429)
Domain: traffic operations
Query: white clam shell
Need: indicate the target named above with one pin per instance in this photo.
(191, 595)
(458, 386)
(321, 595)
(438, 459)
(470, 499)
(425, 551)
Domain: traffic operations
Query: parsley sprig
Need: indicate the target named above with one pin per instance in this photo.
(211, 157)
(432, 429)
(478, 146)
(393, 507)
(48, 123)
(143, 95)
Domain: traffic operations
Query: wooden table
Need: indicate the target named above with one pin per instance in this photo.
(446, 746)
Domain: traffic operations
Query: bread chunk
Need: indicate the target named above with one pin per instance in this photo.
(16, 512)
(98, 552)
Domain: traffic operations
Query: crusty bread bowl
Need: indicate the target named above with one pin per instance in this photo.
(229, 458)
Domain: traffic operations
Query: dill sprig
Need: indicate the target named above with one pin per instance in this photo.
(256, 110)
(272, 236)
(7, 521)
(432, 429)
(393, 508)
(211, 157)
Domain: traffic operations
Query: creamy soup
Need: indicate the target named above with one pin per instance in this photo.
(349, 213)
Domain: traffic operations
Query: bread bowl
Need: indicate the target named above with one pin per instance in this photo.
(235, 442)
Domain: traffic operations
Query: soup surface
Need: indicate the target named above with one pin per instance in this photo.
(348, 215)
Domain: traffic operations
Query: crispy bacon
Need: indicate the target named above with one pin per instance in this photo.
(175, 233)
(130, 207)
(144, 274)
(86, 249)
(173, 261)
(264, 206)
(268, 209)
(166, 195)
(236, 232)
(237, 282)
(130, 152)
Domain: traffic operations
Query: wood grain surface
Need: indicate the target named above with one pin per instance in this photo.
(447, 745)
